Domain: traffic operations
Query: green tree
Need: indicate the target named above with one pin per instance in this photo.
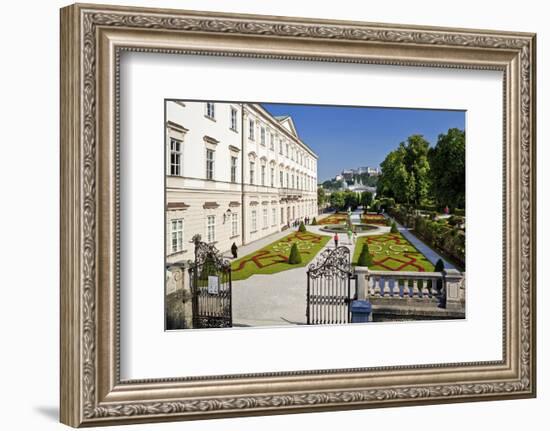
(393, 228)
(294, 257)
(321, 196)
(418, 166)
(448, 169)
(337, 200)
(366, 199)
(405, 172)
(351, 199)
(365, 258)
(314, 221)
(302, 227)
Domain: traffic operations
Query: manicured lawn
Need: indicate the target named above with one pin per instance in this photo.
(273, 258)
(376, 219)
(392, 252)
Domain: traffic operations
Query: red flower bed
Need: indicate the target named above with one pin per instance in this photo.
(375, 219)
(334, 219)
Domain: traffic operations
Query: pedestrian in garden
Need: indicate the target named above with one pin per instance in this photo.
(354, 237)
(349, 236)
(336, 240)
(234, 250)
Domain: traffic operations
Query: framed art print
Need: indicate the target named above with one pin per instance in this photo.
(266, 215)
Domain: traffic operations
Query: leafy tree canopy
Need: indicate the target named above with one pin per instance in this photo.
(448, 169)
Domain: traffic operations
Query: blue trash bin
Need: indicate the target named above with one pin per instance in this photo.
(360, 311)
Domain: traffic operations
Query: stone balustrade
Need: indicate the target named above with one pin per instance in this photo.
(444, 289)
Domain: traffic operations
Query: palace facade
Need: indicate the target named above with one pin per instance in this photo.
(234, 174)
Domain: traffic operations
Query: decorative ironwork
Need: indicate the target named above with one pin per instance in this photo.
(210, 287)
(330, 261)
(204, 251)
(329, 288)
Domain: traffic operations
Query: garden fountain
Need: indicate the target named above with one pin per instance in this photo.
(353, 223)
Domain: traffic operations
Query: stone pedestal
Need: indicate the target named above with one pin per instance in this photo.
(454, 293)
(179, 310)
(362, 273)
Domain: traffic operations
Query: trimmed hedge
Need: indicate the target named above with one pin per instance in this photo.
(365, 258)
(451, 240)
(440, 234)
(302, 227)
(314, 221)
(295, 257)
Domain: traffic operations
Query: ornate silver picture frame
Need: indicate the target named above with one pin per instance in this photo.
(92, 40)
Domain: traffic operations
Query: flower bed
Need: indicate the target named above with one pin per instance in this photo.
(392, 252)
(273, 258)
(336, 218)
(376, 219)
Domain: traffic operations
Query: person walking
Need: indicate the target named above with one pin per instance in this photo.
(335, 240)
(354, 237)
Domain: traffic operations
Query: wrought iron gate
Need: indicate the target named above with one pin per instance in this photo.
(210, 277)
(329, 288)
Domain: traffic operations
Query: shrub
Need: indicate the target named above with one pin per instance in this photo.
(455, 220)
(294, 257)
(389, 222)
(365, 258)
(427, 207)
(314, 221)
(302, 227)
(402, 214)
(459, 212)
(394, 227)
(387, 203)
(443, 236)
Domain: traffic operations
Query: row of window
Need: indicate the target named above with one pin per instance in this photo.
(290, 151)
(266, 134)
(210, 112)
(265, 219)
(295, 181)
(177, 226)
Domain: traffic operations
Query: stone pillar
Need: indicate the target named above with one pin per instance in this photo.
(453, 292)
(362, 273)
(179, 311)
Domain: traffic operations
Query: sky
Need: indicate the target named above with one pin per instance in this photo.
(349, 137)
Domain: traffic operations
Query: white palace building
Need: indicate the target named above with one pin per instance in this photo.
(234, 174)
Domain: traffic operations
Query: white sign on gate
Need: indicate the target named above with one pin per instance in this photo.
(213, 284)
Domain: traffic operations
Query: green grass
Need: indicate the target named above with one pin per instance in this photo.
(392, 252)
(273, 258)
